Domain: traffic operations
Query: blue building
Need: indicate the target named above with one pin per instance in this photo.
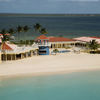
(43, 50)
(43, 44)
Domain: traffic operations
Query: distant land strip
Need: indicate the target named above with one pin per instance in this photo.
(41, 15)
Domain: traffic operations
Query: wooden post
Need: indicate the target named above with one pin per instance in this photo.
(56, 45)
(31, 53)
(0, 57)
(26, 55)
(11, 56)
(21, 56)
(5, 57)
(52, 45)
(15, 56)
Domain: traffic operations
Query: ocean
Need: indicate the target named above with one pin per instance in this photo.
(72, 86)
(66, 26)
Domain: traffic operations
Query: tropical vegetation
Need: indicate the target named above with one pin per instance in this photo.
(55, 51)
(37, 27)
(5, 35)
(93, 45)
(43, 31)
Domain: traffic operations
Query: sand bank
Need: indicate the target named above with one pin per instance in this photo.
(67, 62)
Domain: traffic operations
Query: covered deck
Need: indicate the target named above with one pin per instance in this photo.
(19, 53)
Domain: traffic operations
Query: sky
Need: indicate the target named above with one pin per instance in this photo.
(50, 6)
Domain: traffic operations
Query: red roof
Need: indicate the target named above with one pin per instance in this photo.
(6, 47)
(55, 39)
(7, 34)
(42, 37)
(95, 37)
(59, 39)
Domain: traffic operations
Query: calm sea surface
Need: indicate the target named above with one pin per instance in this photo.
(73, 86)
(69, 26)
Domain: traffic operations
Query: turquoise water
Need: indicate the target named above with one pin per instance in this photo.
(67, 26)
(73, 86)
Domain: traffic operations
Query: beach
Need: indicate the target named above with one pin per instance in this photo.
(60, 63)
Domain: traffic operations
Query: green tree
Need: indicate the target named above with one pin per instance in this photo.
(19, 29)
(25, 28)
(43, 31)
(5, 36)
(31, 42)
(11, 31)
(55, 51)
(3, 31)
(37, 27)
(21, 42)
(93, 45)
(27, 42)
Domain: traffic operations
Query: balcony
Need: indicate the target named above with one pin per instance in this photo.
(44, 44)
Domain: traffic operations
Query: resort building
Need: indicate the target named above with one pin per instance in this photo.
(81, 41)
(11, 51)
(43, 45)
(57, 42)
(85, 40)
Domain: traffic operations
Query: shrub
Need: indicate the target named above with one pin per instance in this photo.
(95, 52)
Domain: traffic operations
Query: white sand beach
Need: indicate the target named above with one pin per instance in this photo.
(67, 62)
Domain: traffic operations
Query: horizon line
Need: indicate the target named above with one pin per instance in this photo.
(55, 13)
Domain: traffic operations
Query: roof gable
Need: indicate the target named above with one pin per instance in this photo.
(6, 47)
(42, 37)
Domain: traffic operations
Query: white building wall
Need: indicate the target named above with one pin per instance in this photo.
(62, 42)
(66, 43)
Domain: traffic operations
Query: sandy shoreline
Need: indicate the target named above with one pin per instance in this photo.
(40, 65)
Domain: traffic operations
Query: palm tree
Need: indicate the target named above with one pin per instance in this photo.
(25, 28)
(37, 27)
(5, 37)
(19, 29)
(93, 45)
(43, 31)
(3, 31)
(11, 31)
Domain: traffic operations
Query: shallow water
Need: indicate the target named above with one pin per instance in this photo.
(73, 86)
